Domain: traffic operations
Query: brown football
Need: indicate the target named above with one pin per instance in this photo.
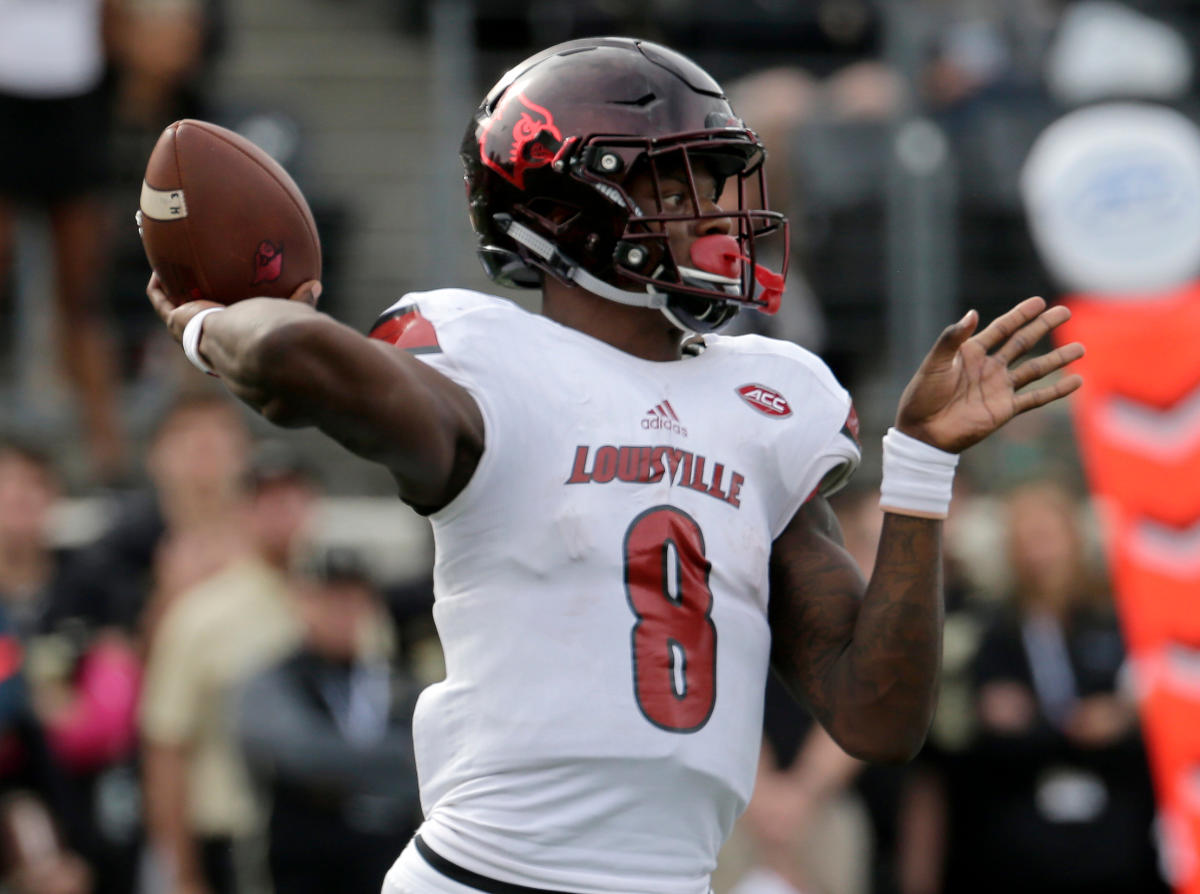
(222, 220)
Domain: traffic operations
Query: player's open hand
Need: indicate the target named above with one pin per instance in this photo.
(970, 385)
(176, 316)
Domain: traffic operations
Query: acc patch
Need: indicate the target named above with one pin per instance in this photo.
(766, 400)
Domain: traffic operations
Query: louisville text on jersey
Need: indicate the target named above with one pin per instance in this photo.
(648, 465)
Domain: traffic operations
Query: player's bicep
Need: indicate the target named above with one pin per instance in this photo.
(381, 403)
(816, 589)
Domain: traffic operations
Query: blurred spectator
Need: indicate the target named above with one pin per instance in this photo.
(779, 103)
(85, 689)
(981, 47)
(53, 158)
(158, 47)
(186, 527)
(28, 562)
(805, 831)
(327, 732)
(35, 861)
(84, 678)
(33, 857)
(213, 637)
(162, 57)
(410, 604)
(1054, 795)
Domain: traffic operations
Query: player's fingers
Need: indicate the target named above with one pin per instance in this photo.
(1030, 334)
(1001, 328)
(158, 298)
(1036, 367)
(952, 338)
(1039, 397)
(308, 293)
(184, 313)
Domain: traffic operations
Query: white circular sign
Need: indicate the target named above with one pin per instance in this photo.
(1112, 194)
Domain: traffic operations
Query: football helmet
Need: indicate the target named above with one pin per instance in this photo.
(550, 155)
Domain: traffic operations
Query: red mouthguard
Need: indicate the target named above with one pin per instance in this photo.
(723, 256)
(718, 254)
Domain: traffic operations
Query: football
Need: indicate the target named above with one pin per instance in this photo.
(222, 220)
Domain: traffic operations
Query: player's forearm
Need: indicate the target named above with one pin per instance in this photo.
(259, 349)
(886, 678)
(863, 655)
(301, 368)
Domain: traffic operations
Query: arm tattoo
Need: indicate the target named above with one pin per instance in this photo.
(865, 658)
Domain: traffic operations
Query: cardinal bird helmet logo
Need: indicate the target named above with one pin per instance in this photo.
(268, 262)
(534, 138)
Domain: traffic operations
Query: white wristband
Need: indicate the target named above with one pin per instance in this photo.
(918, 479)
(191, 339)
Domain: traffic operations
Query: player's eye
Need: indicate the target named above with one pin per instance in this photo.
(676, 200)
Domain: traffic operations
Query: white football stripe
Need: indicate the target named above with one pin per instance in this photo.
(162, 204)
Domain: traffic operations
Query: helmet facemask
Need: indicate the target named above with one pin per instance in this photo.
(675, 188)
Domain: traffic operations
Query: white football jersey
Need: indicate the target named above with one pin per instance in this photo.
(601, 592)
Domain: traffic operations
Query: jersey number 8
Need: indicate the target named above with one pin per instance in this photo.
(674, 639)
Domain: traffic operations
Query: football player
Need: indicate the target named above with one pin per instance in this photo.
(629, 509)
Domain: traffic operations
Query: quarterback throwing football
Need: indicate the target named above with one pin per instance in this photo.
(629, 509)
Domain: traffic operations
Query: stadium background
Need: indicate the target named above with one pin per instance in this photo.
(897, 131)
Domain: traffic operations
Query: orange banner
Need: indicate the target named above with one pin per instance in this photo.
(1138, 419)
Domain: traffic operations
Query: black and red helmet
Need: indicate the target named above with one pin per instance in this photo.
(547, 157)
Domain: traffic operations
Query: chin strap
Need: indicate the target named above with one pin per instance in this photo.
(572, 272)
(704, 276)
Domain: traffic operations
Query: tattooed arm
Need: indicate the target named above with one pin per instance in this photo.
(298, 367)
(865, 657)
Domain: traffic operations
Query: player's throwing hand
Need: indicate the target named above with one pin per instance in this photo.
(177, 316)
(969, 385)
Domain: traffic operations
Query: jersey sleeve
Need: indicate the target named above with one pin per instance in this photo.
(827, 472)
(406, 327)
(819, 449)
(843, 456)
(467, 336)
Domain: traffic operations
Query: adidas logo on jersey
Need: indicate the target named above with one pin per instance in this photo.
(663, 417)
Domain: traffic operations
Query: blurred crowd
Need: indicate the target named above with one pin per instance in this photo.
(200, 699)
